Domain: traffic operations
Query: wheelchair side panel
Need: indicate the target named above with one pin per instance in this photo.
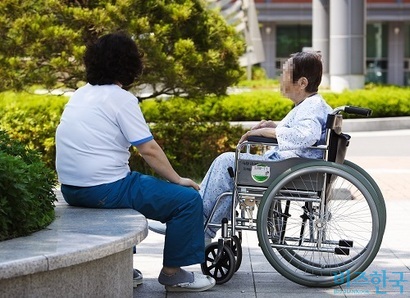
(263, 173)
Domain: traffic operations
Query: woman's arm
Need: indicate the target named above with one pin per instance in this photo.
(158, 161)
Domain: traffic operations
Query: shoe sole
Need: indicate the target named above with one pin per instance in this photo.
(189, 289)
(136, 283)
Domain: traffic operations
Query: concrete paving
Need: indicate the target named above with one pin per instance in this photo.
(256, 277)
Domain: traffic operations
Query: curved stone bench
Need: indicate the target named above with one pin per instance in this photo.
(84, 252)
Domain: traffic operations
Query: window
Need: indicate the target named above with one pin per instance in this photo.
(292, 39)
(407, 55)
(376, 48)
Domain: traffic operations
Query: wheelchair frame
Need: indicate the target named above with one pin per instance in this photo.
(320, 223)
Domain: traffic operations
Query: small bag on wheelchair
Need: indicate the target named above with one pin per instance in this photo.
(338, 144)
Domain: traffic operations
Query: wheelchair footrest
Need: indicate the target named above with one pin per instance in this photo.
(342, 251)
(346, 243)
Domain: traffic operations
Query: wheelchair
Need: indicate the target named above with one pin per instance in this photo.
(319, 223)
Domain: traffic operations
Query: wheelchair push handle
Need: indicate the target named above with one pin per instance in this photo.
(353, 110)
(358, 111)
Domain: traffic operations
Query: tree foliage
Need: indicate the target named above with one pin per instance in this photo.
(189, 49)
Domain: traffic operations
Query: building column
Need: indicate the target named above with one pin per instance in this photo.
(395, 69)
(320, 35)
(347, 44)
(269, 37)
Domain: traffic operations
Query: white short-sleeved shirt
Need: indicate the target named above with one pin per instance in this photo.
(97, 127)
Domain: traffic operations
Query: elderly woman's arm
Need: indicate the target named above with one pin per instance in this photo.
(267, 132)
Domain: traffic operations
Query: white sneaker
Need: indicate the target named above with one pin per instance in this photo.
(200, 283)
(137, 278)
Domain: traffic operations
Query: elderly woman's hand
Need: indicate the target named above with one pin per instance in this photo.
(268, 132)
(264, 123)
(244, 137)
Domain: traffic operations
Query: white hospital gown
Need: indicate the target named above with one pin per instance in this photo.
(301, 128)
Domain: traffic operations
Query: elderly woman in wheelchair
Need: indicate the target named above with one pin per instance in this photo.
(320, 219)
(304, 126)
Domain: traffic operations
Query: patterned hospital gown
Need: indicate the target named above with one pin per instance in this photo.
(302, 127)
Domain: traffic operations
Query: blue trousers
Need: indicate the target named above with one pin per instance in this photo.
(178, 206)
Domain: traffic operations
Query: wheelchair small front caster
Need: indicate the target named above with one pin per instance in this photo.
(219, 264)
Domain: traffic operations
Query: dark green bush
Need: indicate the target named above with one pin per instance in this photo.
(26, 190)
(190, 145)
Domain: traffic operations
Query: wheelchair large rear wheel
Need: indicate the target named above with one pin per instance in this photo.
(371, 181)
(318, 268)
(318, 237)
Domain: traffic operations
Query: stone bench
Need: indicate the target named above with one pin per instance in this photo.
(84, 252)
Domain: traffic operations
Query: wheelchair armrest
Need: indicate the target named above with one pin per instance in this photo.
(259, 139)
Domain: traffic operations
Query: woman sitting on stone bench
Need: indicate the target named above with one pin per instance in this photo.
(99, 124)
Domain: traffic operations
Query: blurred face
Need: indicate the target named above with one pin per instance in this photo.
(292, 90)
(287, 87)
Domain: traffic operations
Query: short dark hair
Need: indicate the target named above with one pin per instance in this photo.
(308, 65)
(113, 58)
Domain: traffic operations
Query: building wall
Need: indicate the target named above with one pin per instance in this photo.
(287, 26)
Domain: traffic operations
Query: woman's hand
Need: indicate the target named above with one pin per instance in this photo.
(188, 182)
(156, 158)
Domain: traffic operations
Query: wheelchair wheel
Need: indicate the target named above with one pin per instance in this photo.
(371, 181)
(221, 269)
(319, 236)
(293, 256)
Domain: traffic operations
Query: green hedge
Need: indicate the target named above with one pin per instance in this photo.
(26, 190)
(390, 101)
(269, 104)
(187, 129)
(246, 106)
